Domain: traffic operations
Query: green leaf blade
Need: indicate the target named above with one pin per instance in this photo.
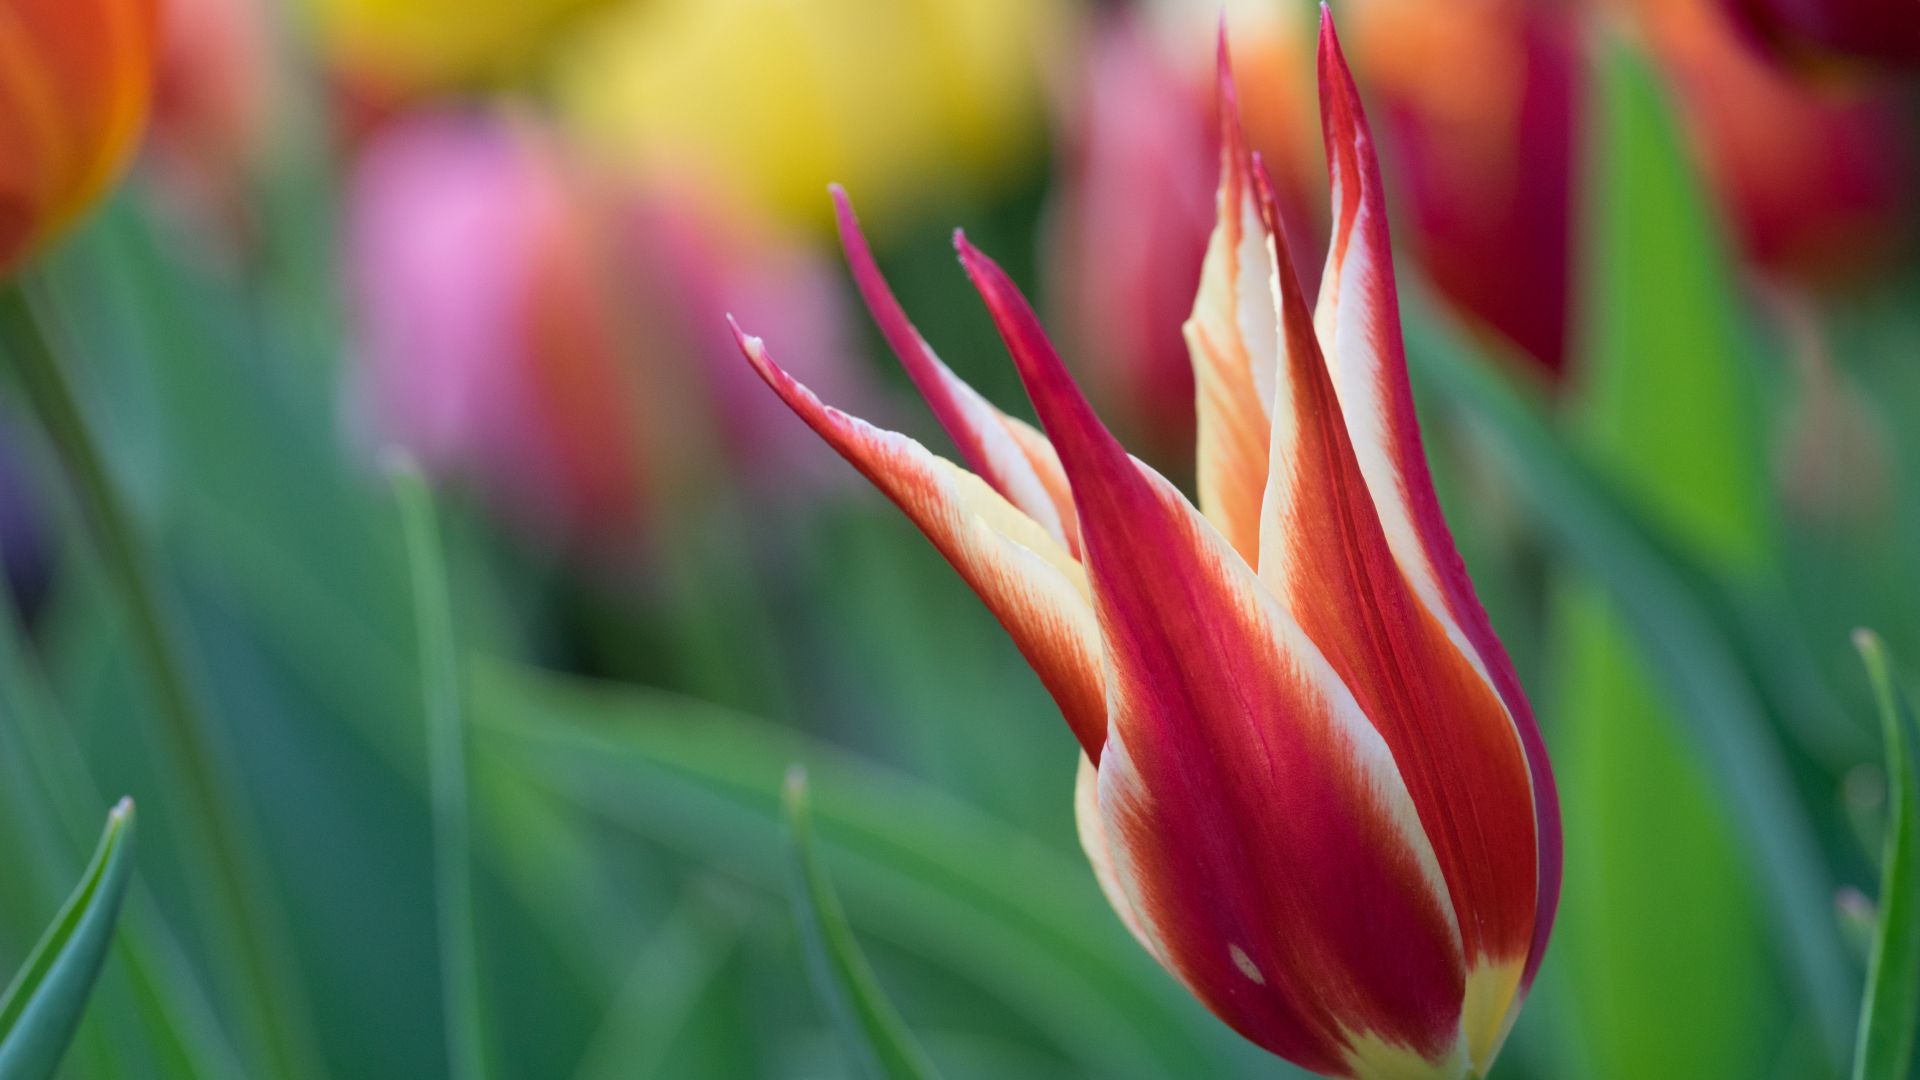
(1890, 1008)
(42, 1007)
(870, 1028)
(446, 737)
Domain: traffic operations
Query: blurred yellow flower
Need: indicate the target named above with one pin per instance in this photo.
(414, 45)
(773, 99)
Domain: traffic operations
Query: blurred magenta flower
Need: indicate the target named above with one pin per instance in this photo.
(1311, 786)
(1826, 32)
(556, 341)
(74, 97)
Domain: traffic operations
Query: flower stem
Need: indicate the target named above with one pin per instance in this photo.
(239, 913)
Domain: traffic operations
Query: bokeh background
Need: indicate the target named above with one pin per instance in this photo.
(1664, 322)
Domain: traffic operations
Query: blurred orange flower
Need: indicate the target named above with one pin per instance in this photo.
(76, 79)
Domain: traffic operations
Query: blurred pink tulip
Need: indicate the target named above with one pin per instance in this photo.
(560, 345)
(1134, 151)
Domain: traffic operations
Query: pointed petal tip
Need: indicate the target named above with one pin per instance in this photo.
(755, 350)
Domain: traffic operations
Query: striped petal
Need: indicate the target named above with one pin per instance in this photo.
(1029, 581)
(1254, 820)
(1325, 556)
(1005, 452)
(1358, 325)
(1232, 337)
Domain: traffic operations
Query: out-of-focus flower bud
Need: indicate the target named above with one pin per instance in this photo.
(78, 82)
(1816, 181)
(1822, 33)
(559, 341)
(489, 336)
(774, 100)
(1134, 150)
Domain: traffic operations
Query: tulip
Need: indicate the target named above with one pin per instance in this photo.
(1311, 785)
(74, 96)
(1823, 32)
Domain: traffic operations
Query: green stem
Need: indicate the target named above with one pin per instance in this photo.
(236, 908)
(447, 768)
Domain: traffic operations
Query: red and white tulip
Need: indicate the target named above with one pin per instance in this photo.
(1311, 784)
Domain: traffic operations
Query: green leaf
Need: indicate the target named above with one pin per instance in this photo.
(447, 754)
(871, 1030)
(43, 1005)
(985, 904)
(1890, 1010)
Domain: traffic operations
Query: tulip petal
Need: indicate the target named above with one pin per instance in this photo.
(1005, 452)
(1232, 337)
(1254, 818)
(1325, 556)
(1358, 324)
(1024, 576)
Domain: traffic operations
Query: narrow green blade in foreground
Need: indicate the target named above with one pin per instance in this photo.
(869, 1027)
(42, 1006)
(447, 774)
(1890, 1010)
